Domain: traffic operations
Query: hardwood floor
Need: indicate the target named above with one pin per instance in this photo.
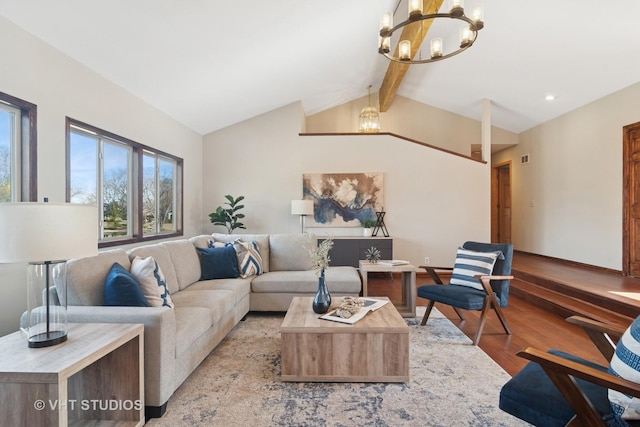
(530, 327)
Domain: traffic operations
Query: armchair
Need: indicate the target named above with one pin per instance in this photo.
(558, 389)
(486, 288)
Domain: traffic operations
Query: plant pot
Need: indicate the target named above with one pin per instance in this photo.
(367, 232)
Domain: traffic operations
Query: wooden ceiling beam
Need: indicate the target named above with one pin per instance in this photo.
(396, 71)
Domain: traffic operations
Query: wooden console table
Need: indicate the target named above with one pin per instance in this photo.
(407, 307)
(94, 378)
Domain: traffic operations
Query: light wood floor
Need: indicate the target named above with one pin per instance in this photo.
(530, 327)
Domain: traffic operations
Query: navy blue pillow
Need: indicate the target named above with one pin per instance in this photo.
(218, 263)
(122, 289)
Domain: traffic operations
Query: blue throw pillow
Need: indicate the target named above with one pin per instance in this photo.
(122, 289)
(218, 263)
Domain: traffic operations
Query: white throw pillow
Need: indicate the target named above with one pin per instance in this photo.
(152, 282)
(469, 264)
(625, 363)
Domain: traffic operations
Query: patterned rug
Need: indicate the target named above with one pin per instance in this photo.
(453, 383)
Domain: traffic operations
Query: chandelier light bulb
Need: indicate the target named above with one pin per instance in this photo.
(404, 48)
(436, 47)
(415, 9)
(386, 23)
(384, 44)
(465, 36)
(477, 16)
(456, 7)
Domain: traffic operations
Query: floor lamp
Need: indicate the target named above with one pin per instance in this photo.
(43, 235)
(302, 208)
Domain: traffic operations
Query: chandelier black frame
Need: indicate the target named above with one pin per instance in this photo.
(456, 13)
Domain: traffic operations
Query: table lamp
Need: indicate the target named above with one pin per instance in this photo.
(42, 235)
(302, 208)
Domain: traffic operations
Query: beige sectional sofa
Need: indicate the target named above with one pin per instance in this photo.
(178, 339)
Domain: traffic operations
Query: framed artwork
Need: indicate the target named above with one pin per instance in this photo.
(343, 199)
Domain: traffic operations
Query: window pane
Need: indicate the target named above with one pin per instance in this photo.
(115, 190)
(166, 198)
(83, 154)
(148, 194)
(6, 138)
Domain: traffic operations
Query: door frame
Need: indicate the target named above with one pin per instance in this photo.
(494, 195)
(626, 192)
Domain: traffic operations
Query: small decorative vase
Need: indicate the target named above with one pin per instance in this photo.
(367, 232)
(322, 300)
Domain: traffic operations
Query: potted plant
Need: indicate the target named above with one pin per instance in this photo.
(368, 227)
(229, 217)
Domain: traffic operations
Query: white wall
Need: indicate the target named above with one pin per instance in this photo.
(60, 87)
(414, 120)
(434, 200)
(574, 182)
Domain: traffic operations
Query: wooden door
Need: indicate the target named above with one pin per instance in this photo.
(501, 203)
(631, 194)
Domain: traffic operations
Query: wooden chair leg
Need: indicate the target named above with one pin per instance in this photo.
(482, 320)
(459, 313)
(427, 313)
(501, 316)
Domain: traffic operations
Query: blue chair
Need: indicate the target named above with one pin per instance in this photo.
(494, 293)
(558, 389)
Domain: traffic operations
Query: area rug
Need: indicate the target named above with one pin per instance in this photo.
(453, 383)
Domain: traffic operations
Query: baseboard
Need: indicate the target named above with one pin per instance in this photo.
(154, 411)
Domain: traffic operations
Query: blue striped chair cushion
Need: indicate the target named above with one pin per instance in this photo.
(470, 263)
(625, 363)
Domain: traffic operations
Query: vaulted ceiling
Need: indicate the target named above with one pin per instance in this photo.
(213, 63)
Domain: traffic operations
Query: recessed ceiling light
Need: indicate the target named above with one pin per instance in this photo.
(550, 97)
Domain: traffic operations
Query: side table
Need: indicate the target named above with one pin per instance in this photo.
(96, 377)
(407, 307)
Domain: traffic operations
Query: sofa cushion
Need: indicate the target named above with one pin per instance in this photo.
(218, 301)
(240, 288)
(152, 282)
(343, 280)
(122, 289)
(85, 277)
(185, 261)
(160, 253)
(290, 252)
(218, 263)
(261, 239)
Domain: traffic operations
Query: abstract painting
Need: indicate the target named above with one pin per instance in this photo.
(343, 199)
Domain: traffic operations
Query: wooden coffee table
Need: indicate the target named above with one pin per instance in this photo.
(375, 349)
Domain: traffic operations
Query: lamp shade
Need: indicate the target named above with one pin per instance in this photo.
(302, 207)
(37, 232)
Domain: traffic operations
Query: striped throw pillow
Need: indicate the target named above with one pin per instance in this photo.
(625, 363)
(470, 263)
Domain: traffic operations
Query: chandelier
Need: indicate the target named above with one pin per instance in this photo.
(467, 33)
(369, 118)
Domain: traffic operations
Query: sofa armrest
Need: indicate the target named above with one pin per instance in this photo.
(159, 342)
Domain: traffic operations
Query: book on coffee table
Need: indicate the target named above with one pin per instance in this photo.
(393, 262)
(370, 305)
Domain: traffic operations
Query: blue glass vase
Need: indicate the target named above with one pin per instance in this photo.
(322, 300)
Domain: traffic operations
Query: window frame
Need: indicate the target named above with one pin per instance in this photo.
(28, 146)
(137, 155)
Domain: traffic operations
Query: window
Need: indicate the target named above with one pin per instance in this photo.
(17, 150)
(138, 187)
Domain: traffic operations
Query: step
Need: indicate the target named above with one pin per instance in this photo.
(623, 306)
(565, 305)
